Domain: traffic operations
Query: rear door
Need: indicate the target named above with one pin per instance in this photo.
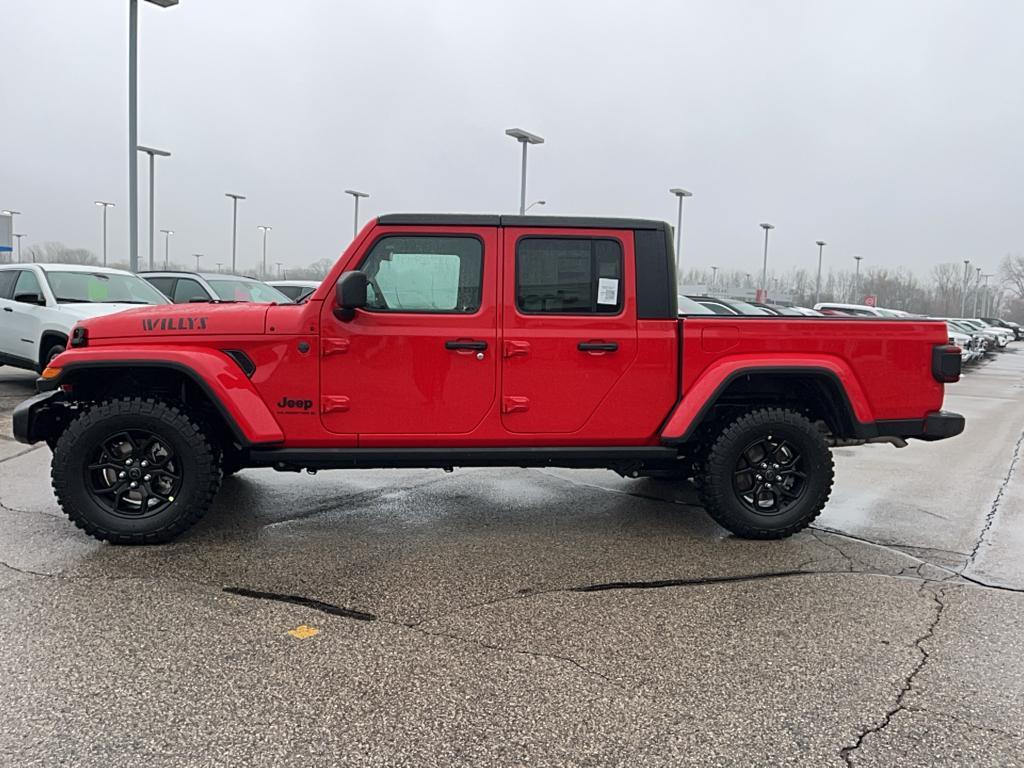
(22, 321)
(569, 324)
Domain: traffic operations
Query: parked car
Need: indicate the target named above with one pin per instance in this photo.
(296, 290)
(970, 346)
(988, 339)
(855, 310)
(189, 287)
(458, 341)
(688, 306)
(807, 311)
(1018, 332)
(731, 306)
(40, 303)
(1003, 335)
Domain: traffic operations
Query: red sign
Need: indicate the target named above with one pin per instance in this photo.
(870, 301)
(761, 296)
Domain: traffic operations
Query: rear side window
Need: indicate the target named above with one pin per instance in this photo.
(7, 278)
(187, 290)
(568, 276)
(163, 284)
(411, 273)
(27, 283)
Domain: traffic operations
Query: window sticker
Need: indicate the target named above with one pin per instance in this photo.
(607, 290)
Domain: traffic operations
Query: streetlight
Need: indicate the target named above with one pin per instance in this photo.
(764, 264)
(977, 288)
(986, 303)
(152, 201)
(19, 236)
(680, 193)
(963, 294)
(219, 265)
(714, 276)
(536, 202)
(167, 244)
(133, 133)
(355, 198)
(524, 138)
(279, 265)
(104, 205)
(817, 283)
(197, 257)
(856, 278)
(264, 230)
(234, 224)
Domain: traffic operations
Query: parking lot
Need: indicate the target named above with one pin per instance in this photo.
(541, 617)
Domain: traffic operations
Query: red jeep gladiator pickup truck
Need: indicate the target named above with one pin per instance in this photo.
(473, 340)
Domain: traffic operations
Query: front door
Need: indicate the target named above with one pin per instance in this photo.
(21, 321)
(421, 358)
(569, 326)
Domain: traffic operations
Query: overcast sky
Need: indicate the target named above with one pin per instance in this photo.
(893, 130)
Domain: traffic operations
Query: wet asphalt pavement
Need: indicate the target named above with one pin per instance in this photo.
(529, 617)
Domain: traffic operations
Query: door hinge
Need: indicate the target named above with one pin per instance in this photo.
(335, 404)
(514, 404)
(517, 348)
(334, 346)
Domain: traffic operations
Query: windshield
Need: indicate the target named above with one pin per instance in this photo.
(102, 288)
(247, 290)
(747, 309)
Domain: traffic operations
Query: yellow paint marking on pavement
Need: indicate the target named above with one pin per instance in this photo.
(302, 632)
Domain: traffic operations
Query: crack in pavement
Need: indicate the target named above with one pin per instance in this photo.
(908, 681)
(26, 571)
(706, 580)
(306, 602)
(996, 503)
(22, 453)
(967, 723)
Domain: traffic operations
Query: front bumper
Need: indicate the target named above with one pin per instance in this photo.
(38, 417)
(937, 425)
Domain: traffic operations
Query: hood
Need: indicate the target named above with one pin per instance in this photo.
(95, 308)
(178, 320)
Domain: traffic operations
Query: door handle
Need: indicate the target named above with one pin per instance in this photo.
(597, 346)
(463, 344)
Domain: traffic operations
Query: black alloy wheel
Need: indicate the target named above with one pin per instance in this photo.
(134, 474)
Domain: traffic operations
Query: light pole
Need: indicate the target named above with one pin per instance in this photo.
(856, 278)
(986, 303)
(133, 133)
(234, 225)
(524, 138)
(104, 205)
(264, 230)
(963, 293)
(219, 265)
(356, 194)
(197, 257)
(764, 264)
(152, 192)
(977, 288)
(536, 202)
(279, 265)
(680, 193)
(12, 214)
(817, 283)
(714, 276)
(18, 236)
(167, 244)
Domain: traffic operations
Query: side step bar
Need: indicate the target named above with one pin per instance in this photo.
(294, 459)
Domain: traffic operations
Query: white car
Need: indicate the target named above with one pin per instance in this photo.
(1003, 336)
(40, 304)
(296, 290)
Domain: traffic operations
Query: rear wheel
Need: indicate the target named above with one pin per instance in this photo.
(767, 475)
(134, 471)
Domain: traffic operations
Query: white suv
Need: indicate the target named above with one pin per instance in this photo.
(40, 304)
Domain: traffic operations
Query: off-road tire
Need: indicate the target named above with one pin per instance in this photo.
(199, 470)
(725, 504)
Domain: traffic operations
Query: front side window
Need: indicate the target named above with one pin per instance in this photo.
(420, 273)
(187, 290)
(27, 283)
(568, 276)
(7, 279)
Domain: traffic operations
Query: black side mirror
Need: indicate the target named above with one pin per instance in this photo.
(30, 298)
(350, 294)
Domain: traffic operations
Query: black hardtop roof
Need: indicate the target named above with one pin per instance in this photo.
(506, 220)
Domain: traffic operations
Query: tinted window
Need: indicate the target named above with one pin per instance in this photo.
(718, 309)
(7, 278)
(187, 289)
(27, 283)
(163, 284)
(568, 275)
(425, 274)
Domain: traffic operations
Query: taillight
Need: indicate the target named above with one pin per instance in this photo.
(946, 361)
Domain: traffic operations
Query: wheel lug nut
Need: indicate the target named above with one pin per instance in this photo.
(146, 477)
(758, 478)
(133, 484)
(122, 474)
(128, 462)
(146, 464)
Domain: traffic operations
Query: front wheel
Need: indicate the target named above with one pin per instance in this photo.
(134, 471)
(767, 475)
